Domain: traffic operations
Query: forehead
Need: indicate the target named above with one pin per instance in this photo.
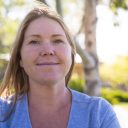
(44, 26)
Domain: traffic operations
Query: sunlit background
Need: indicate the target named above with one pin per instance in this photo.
(112, 30)
(112, 46)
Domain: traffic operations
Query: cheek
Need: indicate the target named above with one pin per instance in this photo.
(27, 57)
(65, 54)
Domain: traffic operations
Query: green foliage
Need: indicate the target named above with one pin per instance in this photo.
(114, 96)
(116, 73)
(7, 24)
(8, 28)
(1, 3)
(11, 3)
(115, 4)
(7, 33)
(3, 65)
(77, 83)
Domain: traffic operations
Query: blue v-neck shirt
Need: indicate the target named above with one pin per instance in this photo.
(86, 112)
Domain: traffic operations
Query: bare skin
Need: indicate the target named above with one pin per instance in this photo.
(51, 110)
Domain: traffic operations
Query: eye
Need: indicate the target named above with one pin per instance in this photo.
(34, 42)
(58, 41)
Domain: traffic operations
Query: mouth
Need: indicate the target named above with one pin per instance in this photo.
(47, 64)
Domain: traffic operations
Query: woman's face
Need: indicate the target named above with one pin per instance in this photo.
(45, 53)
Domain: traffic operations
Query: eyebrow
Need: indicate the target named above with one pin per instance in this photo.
(54, 35)
(34, 35)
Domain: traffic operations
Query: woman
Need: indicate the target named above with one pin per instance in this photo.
(36, 80)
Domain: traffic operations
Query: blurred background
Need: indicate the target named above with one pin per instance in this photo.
(99, 29)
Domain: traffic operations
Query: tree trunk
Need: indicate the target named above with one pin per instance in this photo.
(44, 1)
(93, 83)
(59, 7)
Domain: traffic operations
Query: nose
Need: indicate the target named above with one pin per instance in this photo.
(47, 49)
(48, 52)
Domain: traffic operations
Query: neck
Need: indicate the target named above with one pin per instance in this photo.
(47, 98)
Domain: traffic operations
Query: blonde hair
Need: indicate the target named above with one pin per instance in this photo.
(15, 80)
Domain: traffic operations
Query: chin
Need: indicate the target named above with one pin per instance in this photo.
(52, 81)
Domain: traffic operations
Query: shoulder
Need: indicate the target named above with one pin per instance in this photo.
(5, 103)
(12, 112)
(91, 101)
(82, 97)
(96, 107)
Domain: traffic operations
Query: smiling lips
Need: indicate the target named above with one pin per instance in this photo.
(47, 63)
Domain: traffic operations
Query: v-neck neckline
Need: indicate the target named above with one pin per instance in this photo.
(70, 114)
